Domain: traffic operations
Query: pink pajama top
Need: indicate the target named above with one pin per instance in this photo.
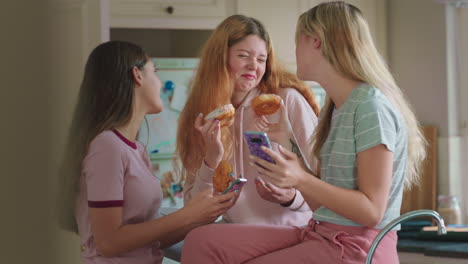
(250, 208)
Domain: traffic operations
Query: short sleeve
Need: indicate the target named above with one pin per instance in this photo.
(375, 123)
(103, 170)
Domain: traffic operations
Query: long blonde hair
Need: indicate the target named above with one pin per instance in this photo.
(213, 87)
(105, 101)
(347, 45)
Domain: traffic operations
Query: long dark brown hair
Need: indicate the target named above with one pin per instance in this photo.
(104, 102)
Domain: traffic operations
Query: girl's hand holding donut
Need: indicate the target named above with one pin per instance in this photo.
(278, 132)
(211, 134)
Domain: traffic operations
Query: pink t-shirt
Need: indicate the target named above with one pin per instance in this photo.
(116, 172)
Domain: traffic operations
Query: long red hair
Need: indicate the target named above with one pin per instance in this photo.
(212, 87)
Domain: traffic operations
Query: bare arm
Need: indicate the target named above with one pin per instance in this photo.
(112, 238)
(365, 206)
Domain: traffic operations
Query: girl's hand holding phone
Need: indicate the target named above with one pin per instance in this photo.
(236, 185)
(274, 194)
(286, 172)
(205, 207)
(211, 133)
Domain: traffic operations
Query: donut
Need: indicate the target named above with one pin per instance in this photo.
(266, 104)
(221, 178)
(222, 113)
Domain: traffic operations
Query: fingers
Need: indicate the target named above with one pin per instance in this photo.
(286, 153)
(210, 130)
(261, 164)
(270, 188)
(215, 133)
(263, 192)
(206, 193)
(221, 207)
(198, 122)
(231, 176)
(268, 191)
(263, 167)
(262, 186)
(262, 123)
(209, 127)
(236, 197)
(273, 189)
(222, 198)
(274, 155)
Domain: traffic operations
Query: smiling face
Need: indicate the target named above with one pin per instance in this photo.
(247, 63)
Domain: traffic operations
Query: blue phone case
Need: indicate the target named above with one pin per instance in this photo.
(236, 185)
(255, 140)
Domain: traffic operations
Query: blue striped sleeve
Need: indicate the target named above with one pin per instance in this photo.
(375, 123)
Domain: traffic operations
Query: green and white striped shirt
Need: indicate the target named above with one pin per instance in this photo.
(365, 120)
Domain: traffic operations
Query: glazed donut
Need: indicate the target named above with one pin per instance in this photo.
(266, 104)
(223, 114)
(221, 178)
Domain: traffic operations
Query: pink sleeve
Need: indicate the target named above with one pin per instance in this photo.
(303, 121)
(203, 180)
(103, 169)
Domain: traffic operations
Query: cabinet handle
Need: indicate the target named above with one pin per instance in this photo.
(170, 9)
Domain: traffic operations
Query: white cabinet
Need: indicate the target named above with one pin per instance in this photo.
(168, 14)
(280, 18)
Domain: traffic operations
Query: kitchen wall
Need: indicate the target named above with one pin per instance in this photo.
(417, 57)
(417, 48)
(463, 47)
(24, 133)
(74, 33)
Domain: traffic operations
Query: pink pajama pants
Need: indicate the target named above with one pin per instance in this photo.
(318, 242)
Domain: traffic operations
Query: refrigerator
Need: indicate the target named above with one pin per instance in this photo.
(158, 132)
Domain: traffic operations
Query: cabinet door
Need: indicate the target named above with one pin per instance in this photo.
(188, 14)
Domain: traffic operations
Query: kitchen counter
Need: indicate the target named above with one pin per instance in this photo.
(452, 249)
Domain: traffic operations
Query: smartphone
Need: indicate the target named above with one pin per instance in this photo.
(255, 140)
(236, 185)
